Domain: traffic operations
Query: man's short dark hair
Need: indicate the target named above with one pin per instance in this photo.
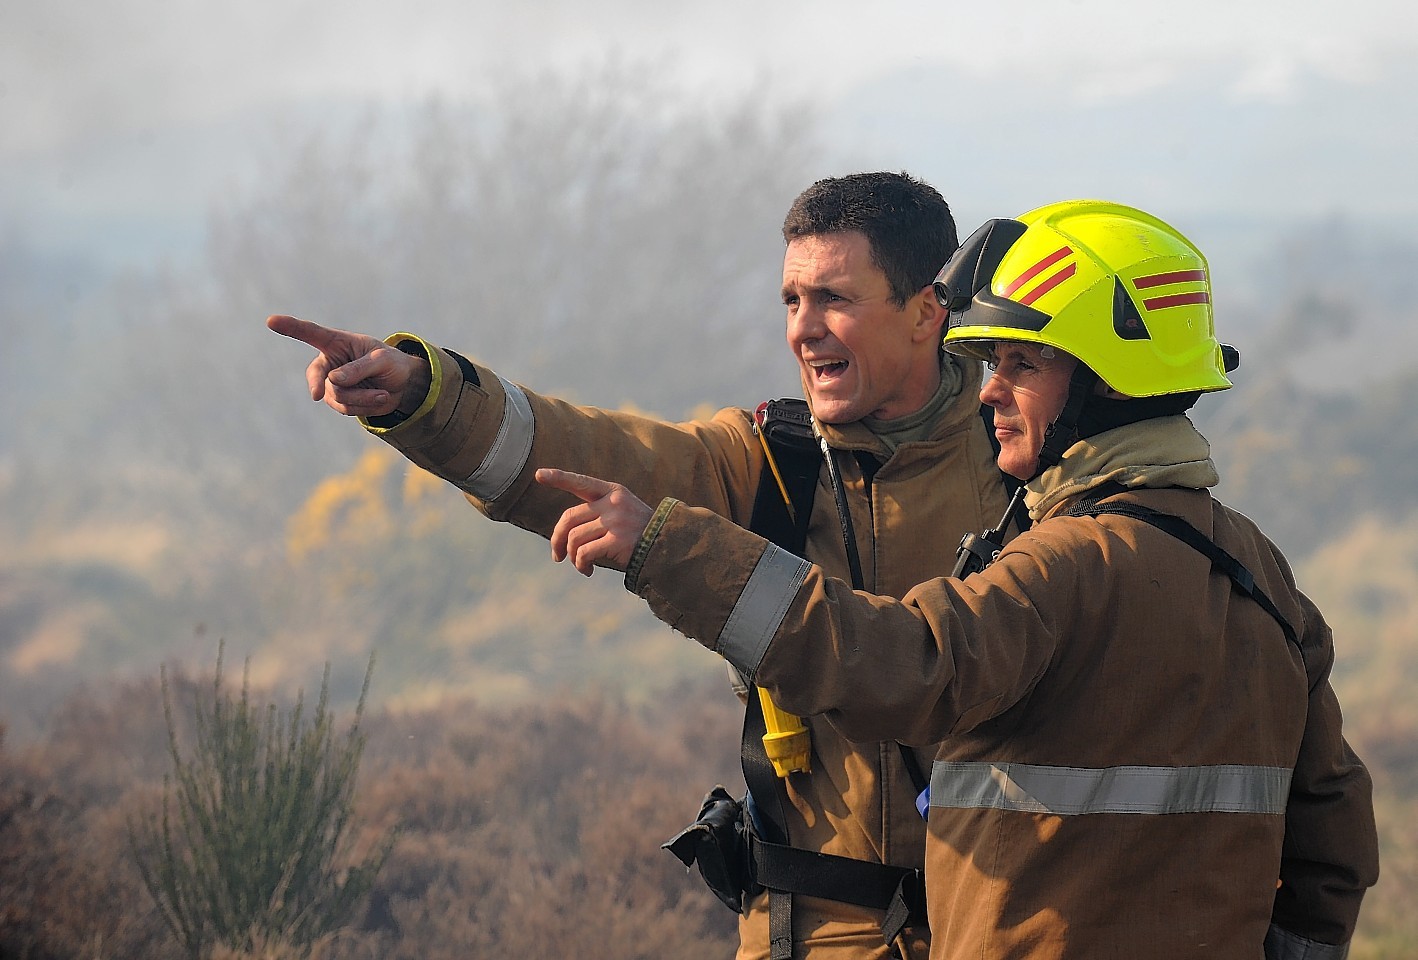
(906, 221)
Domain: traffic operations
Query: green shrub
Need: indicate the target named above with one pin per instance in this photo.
(253, 842)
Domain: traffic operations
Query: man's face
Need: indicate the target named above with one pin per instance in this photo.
(1027, 390)
(859, 354)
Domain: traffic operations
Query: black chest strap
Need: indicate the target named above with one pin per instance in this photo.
(1221, 561)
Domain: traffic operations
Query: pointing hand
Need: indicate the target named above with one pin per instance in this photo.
(603, 529)
(355, 374)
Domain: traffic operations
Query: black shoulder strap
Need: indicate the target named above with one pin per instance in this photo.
(783, 869)
(782, 507)
(786, 425)
(1240, 576)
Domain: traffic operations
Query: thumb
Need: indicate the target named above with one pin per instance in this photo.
(587, 488)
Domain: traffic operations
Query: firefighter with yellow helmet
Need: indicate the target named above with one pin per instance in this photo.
(1140, 752)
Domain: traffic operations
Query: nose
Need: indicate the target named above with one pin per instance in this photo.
(995, 392)
(805, 323)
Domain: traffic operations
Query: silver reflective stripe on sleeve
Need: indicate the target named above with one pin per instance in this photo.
(509, 451)
(1069, 791)
(760, 608)
(1284, 945)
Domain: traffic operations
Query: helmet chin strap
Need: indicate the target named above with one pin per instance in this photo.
(1063, 431)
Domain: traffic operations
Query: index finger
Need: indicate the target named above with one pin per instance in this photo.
(587, 488)
(303, 330)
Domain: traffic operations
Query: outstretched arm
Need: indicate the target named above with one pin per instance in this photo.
(487, 435)
(355, 374)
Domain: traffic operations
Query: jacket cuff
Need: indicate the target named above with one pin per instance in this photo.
(647, 540)
(715, 582)
(1281, 944)
(416, 347)
(474, 429)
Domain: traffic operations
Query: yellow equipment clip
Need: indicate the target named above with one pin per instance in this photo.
(788, 742)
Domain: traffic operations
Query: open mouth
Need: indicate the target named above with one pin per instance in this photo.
(827, 369)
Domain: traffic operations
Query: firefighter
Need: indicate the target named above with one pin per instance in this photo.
(1139, 752)
(908, 465)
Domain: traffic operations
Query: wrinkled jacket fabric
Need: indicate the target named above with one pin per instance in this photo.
(488, 436)
(1132, 760)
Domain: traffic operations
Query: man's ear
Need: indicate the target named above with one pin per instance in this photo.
(927, 314)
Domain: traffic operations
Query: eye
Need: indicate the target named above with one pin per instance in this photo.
(1011, 366)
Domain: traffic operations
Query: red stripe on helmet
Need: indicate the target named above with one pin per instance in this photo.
(1037, 269)
(1049, 284)
(1176, 300)
(1176, 276)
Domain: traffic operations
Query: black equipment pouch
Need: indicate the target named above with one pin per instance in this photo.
(718, 841)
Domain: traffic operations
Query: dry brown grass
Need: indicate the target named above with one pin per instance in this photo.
(529, 832)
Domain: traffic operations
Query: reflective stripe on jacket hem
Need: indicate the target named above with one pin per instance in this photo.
(1070, 791)
(509, 451)
(1284, 945)
(760, 608)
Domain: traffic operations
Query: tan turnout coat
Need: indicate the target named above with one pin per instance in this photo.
(1132, 760)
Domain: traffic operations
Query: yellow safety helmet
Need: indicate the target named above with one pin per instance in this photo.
(1119, 289)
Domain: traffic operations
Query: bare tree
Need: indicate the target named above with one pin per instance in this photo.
(601, 236)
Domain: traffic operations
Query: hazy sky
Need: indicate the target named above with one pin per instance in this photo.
(115, 109)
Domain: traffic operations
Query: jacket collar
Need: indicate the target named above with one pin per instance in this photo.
(1162, 452)
(964, 405)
